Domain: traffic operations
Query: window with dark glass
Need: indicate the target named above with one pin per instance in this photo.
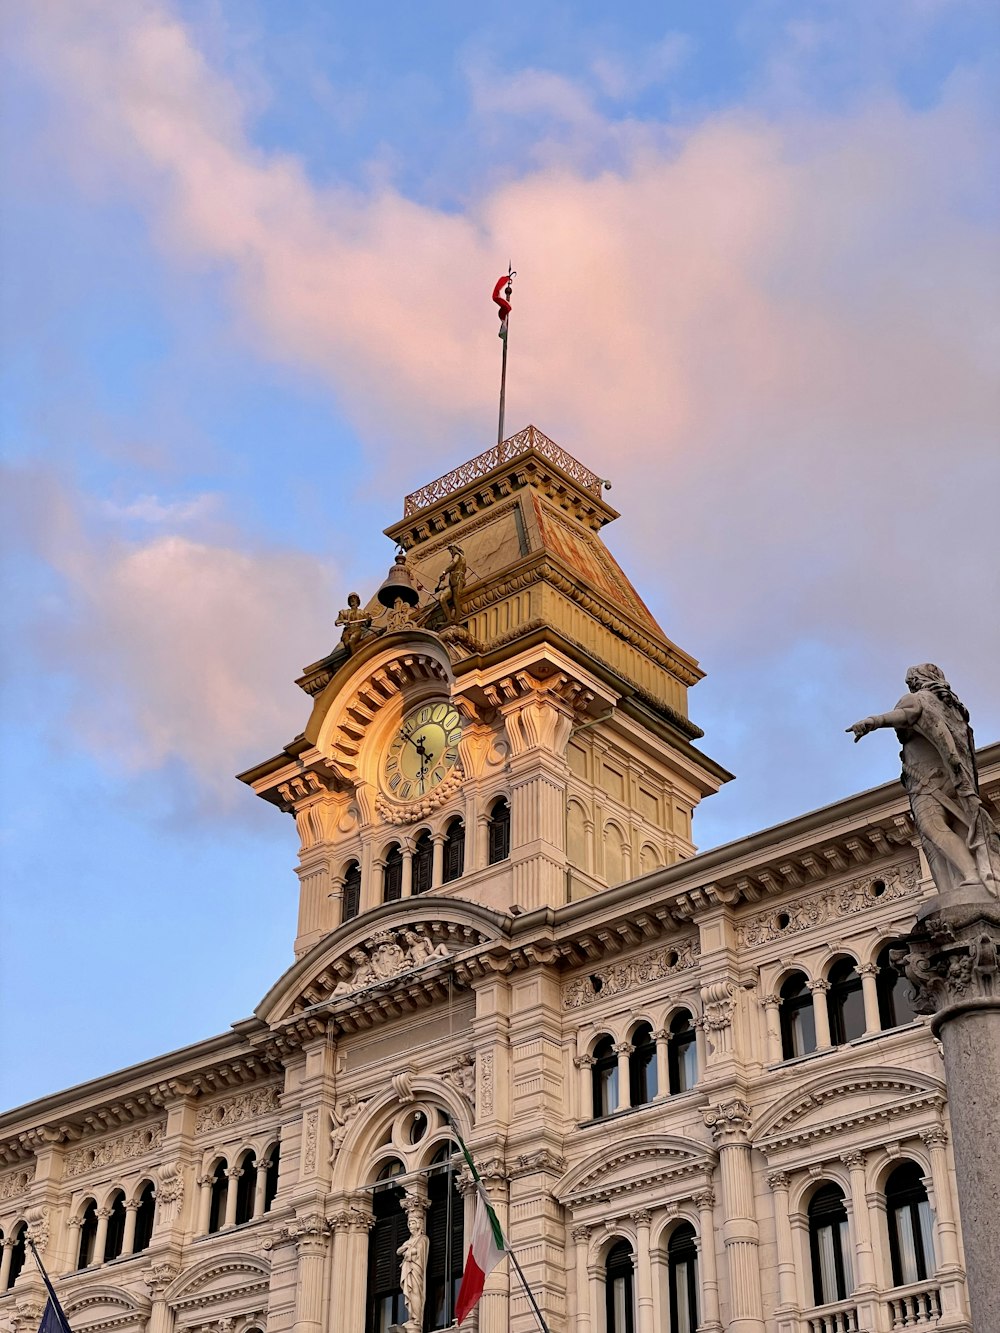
(682, 1053)
(894, 1005)
(642, 1066)
(798, 1022)
(908, 1212)
(423, 863)
(17, 1252)
(88, 1236)
(619, 1289)
(845, 1002)
(145, 1216)
(220, 1188)
(605, 1077)
(454, 851)
(829, 1246)
(498, 848)
(351, 892)
(385, 1303)
(246, 1188)
(445, 1231)
(114, 1237)
(392, 874)
(271, 1182)
(682, 1278)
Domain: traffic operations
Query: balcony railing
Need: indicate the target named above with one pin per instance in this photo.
(914, 1307)
(529, 438)
(841, 1317)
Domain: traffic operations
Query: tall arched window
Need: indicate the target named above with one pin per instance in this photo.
(642, 1066)
(392, 874)
(845, 1002)
(682, 1279)
(351, 902)
(605, 1077)
(829, 1246)
(454, 851)
(911, 1229)
(220, 1189)
(798, 1023)
(682, 1053)
(385, 1304)
(145, 1216)
(88, 1236)
(423, 863)
(618, 1289)
(246, 1188)
(115, 1237)
(17, 1252)
(498, 841)
(445, 1231)
(894, 1005)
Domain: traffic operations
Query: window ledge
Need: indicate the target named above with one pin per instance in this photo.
(801, 1059)
(658, 1103)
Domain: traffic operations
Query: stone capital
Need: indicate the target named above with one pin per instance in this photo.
(581, 1233)
(641, 1217)
(953, 958)
(818, 987)
(935, 1137)
(729, 1122)
(704, 1198)
(854, 1160)
(779, 1180)
(158, 1278)
(623, 1048)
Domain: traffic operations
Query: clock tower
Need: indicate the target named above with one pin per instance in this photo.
(504, 722)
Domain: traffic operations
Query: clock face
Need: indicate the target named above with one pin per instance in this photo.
(423, 751)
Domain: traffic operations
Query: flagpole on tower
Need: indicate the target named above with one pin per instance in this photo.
(503, 310)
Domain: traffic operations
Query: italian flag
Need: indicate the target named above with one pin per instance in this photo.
(488, 1247)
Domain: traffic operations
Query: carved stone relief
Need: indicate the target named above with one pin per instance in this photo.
(121, 1148)
(828, 905)
(625, 976)
(386, 955)
(14, 1183)
(245, 1106)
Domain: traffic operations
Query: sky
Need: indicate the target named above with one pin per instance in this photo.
(247, 255)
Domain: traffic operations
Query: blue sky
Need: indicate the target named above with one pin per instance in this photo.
(247, 256)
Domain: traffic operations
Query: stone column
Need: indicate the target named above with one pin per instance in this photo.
(204, 1203)
(946, 1232)
(662, 1062)
(480, 845)
(644, 1272)
(407, 881)
(779, 1182)
(952, 963)
(350, 1277)
(128, 1241)
(437, 861)
(772, 1023)
(6, 1250)
(581, 1238)
(101, 1240)
(158, 1278)
(869, 992)
(585, 1063)
(260, 1189)
(623, 1050)
(311, 1235)
(730, 1126)
(711, 1317)
(864, 1254)
(821, 1014)
(232, 1176)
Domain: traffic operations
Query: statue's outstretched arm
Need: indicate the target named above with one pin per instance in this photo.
(904, 714)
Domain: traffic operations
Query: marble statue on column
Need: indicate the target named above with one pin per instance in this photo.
(956, 832)
(413, 1276)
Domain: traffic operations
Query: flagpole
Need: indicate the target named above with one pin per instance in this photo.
(60, 1314)
(503, 310)
(528, 1292)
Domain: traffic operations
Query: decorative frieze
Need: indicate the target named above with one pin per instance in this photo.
(13, 1183)
(233, 1111)
(486, 1083)
(109, 1152)
(828, 905)
(631, 973)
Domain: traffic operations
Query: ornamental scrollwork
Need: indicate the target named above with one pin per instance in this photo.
(788, 918)
(245, 1106)
(633, 972)
(121, 1148)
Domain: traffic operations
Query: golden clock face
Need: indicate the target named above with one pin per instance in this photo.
(423, 752)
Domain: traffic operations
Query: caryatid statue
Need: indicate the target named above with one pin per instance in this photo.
(959, 838)
(413, 1276)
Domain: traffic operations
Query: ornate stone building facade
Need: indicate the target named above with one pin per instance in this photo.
(694, 1084)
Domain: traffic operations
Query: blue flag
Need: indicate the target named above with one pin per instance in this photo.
(53, 1319)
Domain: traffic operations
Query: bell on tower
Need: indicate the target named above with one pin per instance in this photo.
(398, 585)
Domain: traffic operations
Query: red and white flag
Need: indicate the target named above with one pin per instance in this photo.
(503, 305)
(488, 1247)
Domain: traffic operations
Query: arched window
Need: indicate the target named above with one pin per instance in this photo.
(911, 1229)
(246, 1188)
(220, 1189)
(351, 902)
(145, 1216)
(385, 1305)
(423, 863)
(682, 1053)
(88, 1236)
(605, 1077)
(829, 1246)
(682, 1279)
(845, 1002)
(392, 874)
(798, 1023)
(894, 1005)
(498, 848)
(271, 1182)
(115, 1236)
(642, 1066)
(454, 851)
(445, 1231)
(618, 1289)
(17, 1252)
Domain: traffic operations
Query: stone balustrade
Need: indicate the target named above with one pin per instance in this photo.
(918, 1306)
(840, 1317)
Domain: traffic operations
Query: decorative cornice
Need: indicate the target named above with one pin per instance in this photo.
(656, 965)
